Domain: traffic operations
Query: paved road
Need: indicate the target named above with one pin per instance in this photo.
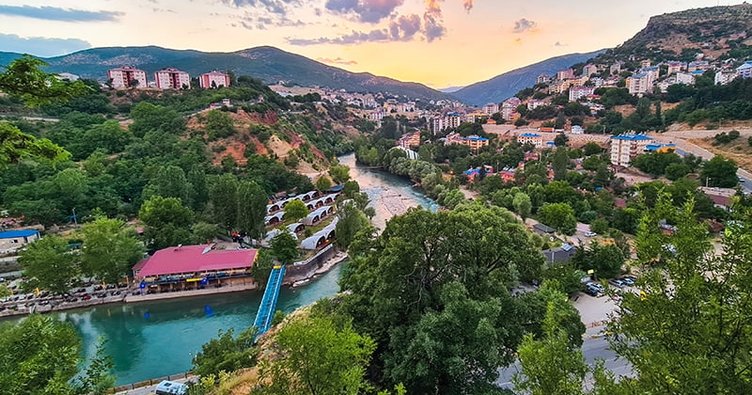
(147, 390)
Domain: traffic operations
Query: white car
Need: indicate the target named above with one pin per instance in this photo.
(591, 234)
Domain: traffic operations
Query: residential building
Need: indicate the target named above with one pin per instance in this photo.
(490, 109)
(565, 74)
(15, 239)
(745, 70)
(127, 77)
(598, 82)
(543, 79)
(194, 266)
(698, 65)
(172, 78)
(685, 78)
(214, 79)
(476, 142)
(532, 104)
(640, 83)
(615, 68)
(475, 116)
(561, 254)
(723, 77)
(531, 138)
(645, 63)
(577, 129)
(626, 147)
(509, 108)
(449, 121)
(589, 70)
(578, 92)
(409, 140)
(675, 66)
(68, 77)
(654, 71)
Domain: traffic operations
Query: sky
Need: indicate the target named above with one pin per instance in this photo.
(440, 43)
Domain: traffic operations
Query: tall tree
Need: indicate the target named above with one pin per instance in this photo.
(24, 78)
(110, 249)
(224, 199)
(48, 264)
(323, 183)
(522, 204)
(720, 172)
(295, 210)
(167, 222)
(16, 145)
(251, 209)
(559, 216)
(560, 163)
(314, 355)
(170, 181)
(285, 248)
(339, 173)
(351, 221)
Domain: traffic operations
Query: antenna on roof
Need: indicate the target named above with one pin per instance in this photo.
(178, 247)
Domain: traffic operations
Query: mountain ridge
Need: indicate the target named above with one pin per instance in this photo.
(267, 63)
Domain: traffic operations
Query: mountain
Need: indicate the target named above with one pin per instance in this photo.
(504, 86)
(266, 63)
(450, 89)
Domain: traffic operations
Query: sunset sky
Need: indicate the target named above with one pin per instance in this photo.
(437, 42)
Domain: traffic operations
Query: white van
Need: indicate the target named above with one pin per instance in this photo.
(171, 388)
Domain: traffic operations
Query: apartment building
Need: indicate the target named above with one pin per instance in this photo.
(698, 66)
(509, 108)
(675, 67)
(127, 77)
(172, 78)
(589, 70)
(565, 74)
(409, 140)
(214, 79)
(723, 77)
(625, 147)
(745, 70)
(640, 83)
(578, 92)
(490, 108)
(531, 138)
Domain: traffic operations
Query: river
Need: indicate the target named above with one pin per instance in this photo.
(154, 339)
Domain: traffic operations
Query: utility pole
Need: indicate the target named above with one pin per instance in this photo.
(75, 220)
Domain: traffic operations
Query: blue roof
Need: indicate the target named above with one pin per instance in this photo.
(632, 137)
(470, 172)
(527, 134)
(476, 138)
(12, 234)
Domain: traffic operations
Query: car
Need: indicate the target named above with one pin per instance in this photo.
(628, 280)
(171, 388)
(591, 234)
(617, 282)
(591, 290)
(85, 297)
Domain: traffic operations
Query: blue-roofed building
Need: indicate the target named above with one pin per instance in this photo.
(13, 239)
(627, 146)
(534, 139)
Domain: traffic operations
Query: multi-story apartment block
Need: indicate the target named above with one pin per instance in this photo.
(490, 108)
(214, 79)
(578, 92)
(745, 70)
(589, 70)
(640, 83)
(543, 79)
(127, 77)
(698, 65)
(532, 104)
(565, 74)
(531, 138)
(723, 77)
(615, 68)
(625, 147)
(409, 140)
(654, 71)
(474, 142)
(675, 66)
(449, 121)
(172, 78)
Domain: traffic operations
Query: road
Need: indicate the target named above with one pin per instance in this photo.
(147, 390)
(745, 177)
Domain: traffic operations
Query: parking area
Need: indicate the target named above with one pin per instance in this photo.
(27, 302)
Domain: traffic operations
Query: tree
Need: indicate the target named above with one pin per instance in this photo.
(219, 125)
(204, 232)
(606, 260)
(315, 355)
(24, 78)
(110, 249)
(41, 356)
(285, 248)
(410, 287)
(48, 264)
(339, 173)
(351, 221)
(560, 163)
(251, 209)
(262, 267)
(719, 172)
(224, 199)
(167, 222)
(599, 226)
(149, 117)
(295, 210)
(561, 139)
(675, 171)
(170, 181)
(559, 216)
(591, 148)
(16, 146)
(226, 353)
(323, 183)
(522, 204)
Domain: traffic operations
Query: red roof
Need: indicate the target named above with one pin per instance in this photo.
(194, 259)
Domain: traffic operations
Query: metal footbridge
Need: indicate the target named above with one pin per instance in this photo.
(268, 304)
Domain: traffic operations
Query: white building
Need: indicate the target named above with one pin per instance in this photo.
(577, 129)
(509, 108)
(745, 70)
(675, 66)
(578, 92)
(543, 79)
(172, 78)
(532, 104)
(564, 74)
(626, 147)
(698, 65)
(640, 83)
(723, 77)
(127, 77)
(449, 121)
(490, 108)
(589, 70)
(213, 79)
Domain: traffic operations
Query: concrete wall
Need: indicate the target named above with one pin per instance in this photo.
(307, 268)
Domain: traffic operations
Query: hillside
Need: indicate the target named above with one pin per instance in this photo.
(506, 85)
(266, 63)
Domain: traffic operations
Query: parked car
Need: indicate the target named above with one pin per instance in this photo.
(617, 282)
(593, 289)
(628, 280)
(591, 234)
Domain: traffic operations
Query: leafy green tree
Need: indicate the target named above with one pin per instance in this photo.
(16, 146)
(110, 249)
(561, 139)
(40, 355)
(351, 221)
(351, 189)
(149, 117)
(315, 355)
(675, 171)
(599, 226)
(48, 264)
(5, 291)
(719, 172)
(605, 259)
(409, 293)
(323, 183)
(559, 216)
(219, 125)
(285, 248)
(522, 204)
(24, 78)
(591, 148)
(262, 267)
(251, 209)
(295, 210)
(224, 199)
(204, 232)
(170, 181)
(167, 222)
(339, 173)
(97, 379)
(226, 353)
(560, 163)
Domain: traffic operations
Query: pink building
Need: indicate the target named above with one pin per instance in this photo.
(127, 77)
(172, 78)
(213, 79)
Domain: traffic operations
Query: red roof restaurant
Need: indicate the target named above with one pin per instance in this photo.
(194, 267)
